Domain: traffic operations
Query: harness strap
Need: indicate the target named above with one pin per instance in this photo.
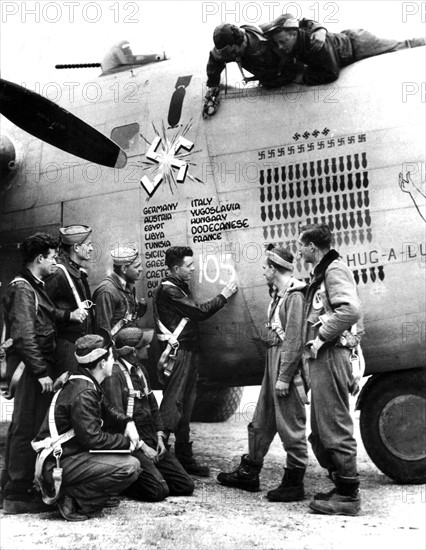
(169, 283)
(22, 280)
(138, 394)
(300, 378)
(16, 376)
(77, 298)
(172, 343)
(6, 344)
(52, 444)
(118, 326)
(169, 336)
(128, 316)
(274, 321)
(3, 334)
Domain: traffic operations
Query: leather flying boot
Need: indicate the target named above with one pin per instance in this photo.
(291, 488)
(112, 502)
(183, 452)
(345, 500)
(30, 506)
(21, 500)
(4, 478)
(245, 477)
(67, 507)
(325, 495)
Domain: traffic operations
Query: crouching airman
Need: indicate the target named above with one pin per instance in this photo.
(80, 466)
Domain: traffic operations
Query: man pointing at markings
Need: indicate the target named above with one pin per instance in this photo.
(177, 315)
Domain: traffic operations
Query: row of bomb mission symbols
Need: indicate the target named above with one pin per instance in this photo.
(297, 209)
(316, 168)
(330, 184)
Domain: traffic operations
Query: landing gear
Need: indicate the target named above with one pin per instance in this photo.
(392, 422)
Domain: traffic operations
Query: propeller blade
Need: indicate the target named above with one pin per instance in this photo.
(51, 123)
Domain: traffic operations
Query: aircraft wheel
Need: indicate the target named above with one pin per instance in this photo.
(216, 403)
(392, 422)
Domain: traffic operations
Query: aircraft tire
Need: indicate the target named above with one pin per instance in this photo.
(216, 403)
(392, 421)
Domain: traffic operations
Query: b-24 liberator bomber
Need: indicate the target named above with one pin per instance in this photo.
(145, 167)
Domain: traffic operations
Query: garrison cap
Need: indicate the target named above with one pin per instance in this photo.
(279, 255)
(132, 337)
(74, 234)
(90, 347)
(124, 255)
(282, 22)
(227, 35)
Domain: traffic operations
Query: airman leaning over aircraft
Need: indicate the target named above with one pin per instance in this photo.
(115, 297)
(69, 291)
(128, 389)
(281, 404)
(177, 315)
(251, 49)
(80, 413)
(339, 50)
(30, 319)
(333, 327)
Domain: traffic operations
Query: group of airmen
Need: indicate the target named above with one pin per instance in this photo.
(102, 433)
(86, 426)
(289, 50)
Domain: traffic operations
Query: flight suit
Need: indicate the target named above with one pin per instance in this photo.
(260, 59)
(332, 306)
(90, 479)
(30, 318)
(342, 49)
(114, 302)
(172, 302)
(166, 477)
(61, 294)
(285, 415)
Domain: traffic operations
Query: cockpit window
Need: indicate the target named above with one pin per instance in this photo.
(127, 136)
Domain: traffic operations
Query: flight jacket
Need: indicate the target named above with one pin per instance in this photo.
(146, 414)
(113, 302)
(61, 294)
(323, 66)
(31, 323)
(332, 307)
(261, 59)
(173, 300)
(82, 405)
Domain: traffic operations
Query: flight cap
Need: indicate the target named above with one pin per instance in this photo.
(91, 347)
(130, 338)
(74, 234)
(124, 255)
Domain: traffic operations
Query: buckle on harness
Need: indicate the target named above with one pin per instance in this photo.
(57, 453)
(174, 350)
(135, 393)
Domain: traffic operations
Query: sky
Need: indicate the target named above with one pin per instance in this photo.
(36, 35)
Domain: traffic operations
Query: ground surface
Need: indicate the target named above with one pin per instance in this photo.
(393, 516)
